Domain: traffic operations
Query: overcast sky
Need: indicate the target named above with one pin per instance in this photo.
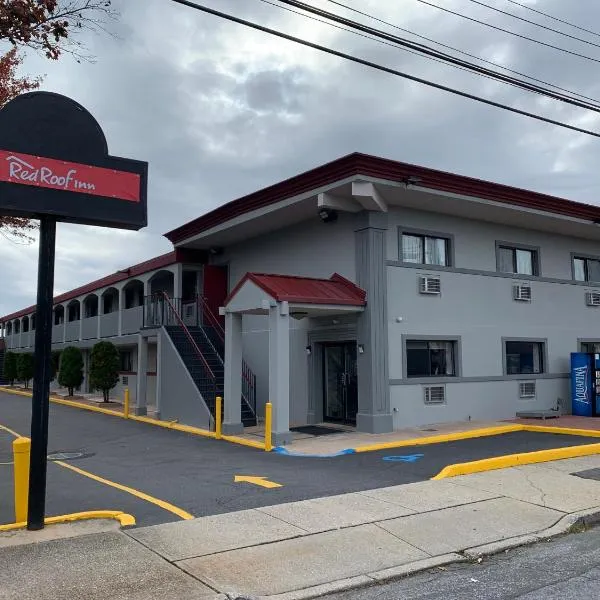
(219, 111)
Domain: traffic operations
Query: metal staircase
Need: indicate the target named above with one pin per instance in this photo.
(202, 349)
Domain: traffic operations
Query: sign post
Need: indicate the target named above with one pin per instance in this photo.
(55, 166)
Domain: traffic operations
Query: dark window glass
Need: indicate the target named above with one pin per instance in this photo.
(425, 250)
(590, 347)
(125, 360)
(429, 358)
(523, 358)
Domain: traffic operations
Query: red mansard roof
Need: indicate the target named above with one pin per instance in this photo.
(306, 290)
(382, 168)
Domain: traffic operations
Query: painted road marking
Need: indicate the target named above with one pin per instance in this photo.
(261, 481)
(408, 458)
(143, 496)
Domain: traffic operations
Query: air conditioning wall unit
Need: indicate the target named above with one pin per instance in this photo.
(522, 293)
(434, 394)
(430, 285)
(592, 298)
(526, 389)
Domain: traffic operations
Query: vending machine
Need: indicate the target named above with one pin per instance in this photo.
(585, 384)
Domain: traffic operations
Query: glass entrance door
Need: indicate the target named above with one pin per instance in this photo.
(341, 391)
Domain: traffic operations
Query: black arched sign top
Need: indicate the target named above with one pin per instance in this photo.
(54, 161)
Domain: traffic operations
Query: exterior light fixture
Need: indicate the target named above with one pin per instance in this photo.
(308, 350)
(327, 215)
(361, 349)
(411, 180)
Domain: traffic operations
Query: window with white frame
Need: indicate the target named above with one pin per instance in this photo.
(519, 261)
(524, 358)
(425, 249)
(586, 269)
(430, 358)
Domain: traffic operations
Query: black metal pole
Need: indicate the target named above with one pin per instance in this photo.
(42, 375)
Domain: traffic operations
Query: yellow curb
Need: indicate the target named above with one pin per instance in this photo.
(514, 460)
(562, 430)
(124, 519)
(446, 437)
(243, 442)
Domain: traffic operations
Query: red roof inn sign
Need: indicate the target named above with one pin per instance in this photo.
(54, 161)
(55, 166)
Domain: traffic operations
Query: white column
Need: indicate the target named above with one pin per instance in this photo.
(232, 422)
(279, 372)
(159, 358)
(142, 376)
(177, 280)
(100, 308)
(121, 308)
(65, 321)
(81, 313)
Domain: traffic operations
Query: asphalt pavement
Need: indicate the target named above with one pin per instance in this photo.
(197, 474)
(567, 568)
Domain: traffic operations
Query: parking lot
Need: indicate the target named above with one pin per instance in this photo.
(158, 475)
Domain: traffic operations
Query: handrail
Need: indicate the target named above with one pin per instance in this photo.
(189, 335)
(212, 317)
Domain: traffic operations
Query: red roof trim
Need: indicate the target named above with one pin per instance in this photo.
(382, 168)
(355, 296)
(164, 260)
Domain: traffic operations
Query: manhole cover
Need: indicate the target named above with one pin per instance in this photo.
(67, 455)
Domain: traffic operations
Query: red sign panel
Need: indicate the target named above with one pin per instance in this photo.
(70, 177)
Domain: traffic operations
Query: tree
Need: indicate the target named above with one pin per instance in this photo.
(25, 368)
(11, 86)
(104, 368)
(10, 367)
(55, 362)
(70, 374)
(50, 26)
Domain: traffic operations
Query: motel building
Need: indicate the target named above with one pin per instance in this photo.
(365, 292)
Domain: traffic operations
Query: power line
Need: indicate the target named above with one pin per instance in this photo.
(524, 37)
(378, 67)
(489, 62)
(504, 12)
(539, 12)
(446, 57)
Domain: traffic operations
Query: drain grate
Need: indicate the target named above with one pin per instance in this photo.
(67, 455)
(588, 474)
(429, 429)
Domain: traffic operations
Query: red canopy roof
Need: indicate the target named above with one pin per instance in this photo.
(306, 290)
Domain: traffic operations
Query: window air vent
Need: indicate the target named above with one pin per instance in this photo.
(527, 389)
(125, 380)
(522, 293)
(434, 394)
(429, 285)
(592, 298)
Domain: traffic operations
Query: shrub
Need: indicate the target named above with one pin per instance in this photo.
(104, 368)
(70, 374)
(10, 367)
(25, 368)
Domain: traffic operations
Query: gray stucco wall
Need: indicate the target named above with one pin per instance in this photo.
(179, 396)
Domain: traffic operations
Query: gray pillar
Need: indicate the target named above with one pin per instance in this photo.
(142, 376)
(279, 372)
(121, 297)
(159, 360)
(374, 415)
(232, 422)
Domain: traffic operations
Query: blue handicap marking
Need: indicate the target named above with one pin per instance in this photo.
(409, 458)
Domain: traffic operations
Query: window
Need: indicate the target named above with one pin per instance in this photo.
(586, 269)
(590, 347)
(125, 361)
(524, 358)
(430, 358)
(425, 249)
(520, 261)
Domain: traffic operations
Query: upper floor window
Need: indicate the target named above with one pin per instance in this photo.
(425, 249)
(586, 269)
(517, 260)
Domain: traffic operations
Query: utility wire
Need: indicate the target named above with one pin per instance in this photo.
(524, 37)
(361, 61)
(504, 12)
(539, 12)
(489, 62)
(446, 57)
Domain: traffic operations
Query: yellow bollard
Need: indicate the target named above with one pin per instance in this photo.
(126, 404)
(268, 427)
(21, 453)
(218, 417)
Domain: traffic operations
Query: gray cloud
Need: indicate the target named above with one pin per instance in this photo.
(220, 111)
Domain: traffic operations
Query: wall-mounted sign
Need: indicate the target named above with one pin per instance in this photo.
(54, 161)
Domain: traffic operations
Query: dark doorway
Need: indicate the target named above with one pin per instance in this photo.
(340, 395)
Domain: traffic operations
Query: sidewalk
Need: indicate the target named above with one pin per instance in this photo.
(306, 549)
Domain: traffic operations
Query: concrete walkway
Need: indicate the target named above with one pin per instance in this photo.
(305, 549)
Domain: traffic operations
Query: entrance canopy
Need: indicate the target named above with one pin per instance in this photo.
(257, 293)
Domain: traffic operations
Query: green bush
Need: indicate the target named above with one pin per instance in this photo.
(25, 368)
(70, 374)
(10, 367)
(104, 368)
